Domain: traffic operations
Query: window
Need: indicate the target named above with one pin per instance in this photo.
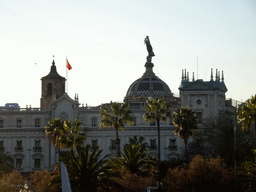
(37, 146)
(199, 117)
(18, 163)
(37, 123)
(1, 145)
(37, 163)
(19, 122)
(173, 145)
(153, 123)
(49, 89)
(94, 144)
(134, 121)
(94, 121)
(152, 144)
(19, 146)
(113, 145)
(1, 123)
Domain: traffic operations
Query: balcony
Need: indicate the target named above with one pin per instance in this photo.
(18, 149)
(172, 148)
(152, 147)
(37, 149)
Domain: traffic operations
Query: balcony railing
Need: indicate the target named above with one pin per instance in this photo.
(172, 148)
(18, 148)
(152, 147)
(38, 149)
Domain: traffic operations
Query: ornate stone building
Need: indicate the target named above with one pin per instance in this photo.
(22, 129)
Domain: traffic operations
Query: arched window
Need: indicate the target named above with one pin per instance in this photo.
(49, 89)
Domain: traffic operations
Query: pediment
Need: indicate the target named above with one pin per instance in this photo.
(65, 100)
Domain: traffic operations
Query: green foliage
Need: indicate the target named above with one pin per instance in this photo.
(136, 141)
(116, 115)
(40, 181)
(9, 181)
(135, 160)
(71, 135)
(64, 134)
(6, 162)
(200, 175)
(247, 114)
(53, 130)
(217, 139)
(135, 183)
(246, 176)
(86, 171)
(157, 110)
(185, 121)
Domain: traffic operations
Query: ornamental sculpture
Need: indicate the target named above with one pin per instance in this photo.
(149, 47)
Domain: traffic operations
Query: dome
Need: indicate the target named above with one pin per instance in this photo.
(149, 85)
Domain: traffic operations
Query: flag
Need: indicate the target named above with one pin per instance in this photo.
(68, 65)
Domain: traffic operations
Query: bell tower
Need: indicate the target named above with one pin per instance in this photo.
(53, 87)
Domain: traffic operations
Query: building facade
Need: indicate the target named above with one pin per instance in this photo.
(22, 129)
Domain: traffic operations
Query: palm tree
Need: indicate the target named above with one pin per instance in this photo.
(6, 162)
(135, 159)
(86, 171)
(157, 111)
(53, 130)
(135, 141)
(247, 114)
(70, 135)
(185, 121)
(117, 115)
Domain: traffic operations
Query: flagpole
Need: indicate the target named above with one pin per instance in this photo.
(67, 74)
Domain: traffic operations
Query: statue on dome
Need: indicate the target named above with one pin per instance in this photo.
(149, 47)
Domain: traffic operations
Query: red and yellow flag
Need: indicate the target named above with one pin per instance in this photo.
(68, 65)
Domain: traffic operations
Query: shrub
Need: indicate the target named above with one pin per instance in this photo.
(200, 175)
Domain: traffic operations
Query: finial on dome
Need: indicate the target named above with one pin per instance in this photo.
(53, 62)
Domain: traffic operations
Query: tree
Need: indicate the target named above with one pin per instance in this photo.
(185, 121)
(71, 135)
(86, 171)
(217, 140)
(157, 111)
(116, 115)
(135, 141)
(200, 175)
(53, 130)
(6, 162)
(136, 160)
(247, 114)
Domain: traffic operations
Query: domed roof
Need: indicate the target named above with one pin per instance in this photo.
(149, 85)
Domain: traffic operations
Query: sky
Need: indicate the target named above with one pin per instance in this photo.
(104, 43)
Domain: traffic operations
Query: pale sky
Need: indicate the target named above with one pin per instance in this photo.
(104, 43)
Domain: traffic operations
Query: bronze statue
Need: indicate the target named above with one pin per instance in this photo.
(149, 47)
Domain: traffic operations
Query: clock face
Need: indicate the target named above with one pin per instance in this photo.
(198, 101)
